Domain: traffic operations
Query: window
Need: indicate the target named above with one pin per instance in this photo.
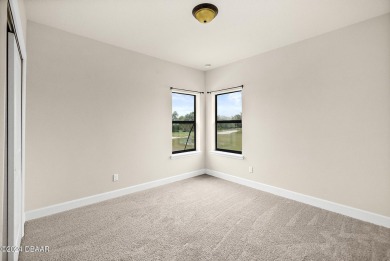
(228, 127)
(183, 122)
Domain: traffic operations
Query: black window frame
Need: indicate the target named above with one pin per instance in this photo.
(224, 121)
(187, 122)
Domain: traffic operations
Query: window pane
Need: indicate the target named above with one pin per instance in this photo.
(183, 136)
(229, 106)
(229, 136)
(183, 106)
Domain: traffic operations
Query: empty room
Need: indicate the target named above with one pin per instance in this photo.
(191, 130)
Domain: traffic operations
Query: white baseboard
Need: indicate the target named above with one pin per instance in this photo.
(317, 202)
(50, 210)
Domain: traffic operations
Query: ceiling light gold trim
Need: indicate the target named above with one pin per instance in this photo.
(205, 13)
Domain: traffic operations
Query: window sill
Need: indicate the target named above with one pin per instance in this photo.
(227, 154)
(185, 154)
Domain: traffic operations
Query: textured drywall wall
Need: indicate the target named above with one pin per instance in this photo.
(94, 110)
(316, 116)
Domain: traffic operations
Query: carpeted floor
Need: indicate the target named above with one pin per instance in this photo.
(204, 218)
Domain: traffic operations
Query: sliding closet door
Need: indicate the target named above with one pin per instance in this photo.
(15, 188)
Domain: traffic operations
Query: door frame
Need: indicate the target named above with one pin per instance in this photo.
(15, 193)
(14, 15)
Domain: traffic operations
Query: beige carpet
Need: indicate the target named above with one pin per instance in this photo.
(204, 218)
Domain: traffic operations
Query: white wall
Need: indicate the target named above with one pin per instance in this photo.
(316, 116)
(23, 17)
(94, 110)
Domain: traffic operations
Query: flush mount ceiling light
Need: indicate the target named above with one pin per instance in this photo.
(205, 13)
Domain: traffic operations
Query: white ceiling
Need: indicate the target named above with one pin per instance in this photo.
(166, 28)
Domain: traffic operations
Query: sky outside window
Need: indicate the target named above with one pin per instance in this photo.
(229, 105)
(182, 104)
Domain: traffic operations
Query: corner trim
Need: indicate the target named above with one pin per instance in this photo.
(57, 208)
(313, 201)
